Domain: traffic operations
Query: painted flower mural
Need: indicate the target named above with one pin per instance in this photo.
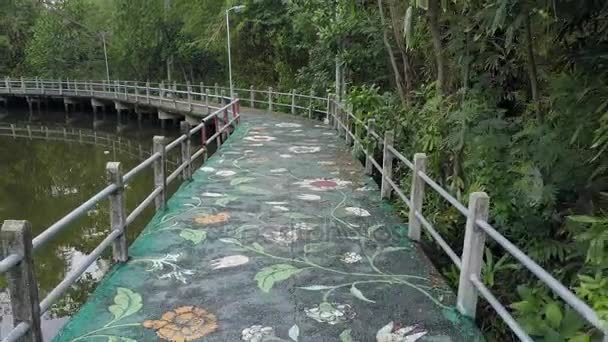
(288, 125)
(357, 211)
(350, 258)
(309, 197)
(304, 149)
(228, 262)
(212, 219)
(260, 138)
(393, 333)
(186, 323)
(281, 237)
(323, 184)
(257, 333)
(331, 313)
(225, 173)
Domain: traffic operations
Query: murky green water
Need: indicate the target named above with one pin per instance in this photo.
(42, 180)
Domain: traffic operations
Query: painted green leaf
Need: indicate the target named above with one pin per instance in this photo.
(222, 202)
(294, 332)
(345, 336)
(126, 303)
(297, 216)
(317, 247)
(326, 307)
(120, 339)
(196, 236)
(393, 249)
(371, 230)
(230, 241)
(358, 294)
(252, 190)
(270, 275)
(241, 180)
(257, 247)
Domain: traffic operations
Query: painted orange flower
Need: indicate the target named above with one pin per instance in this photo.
(212, 219)
(185, 323)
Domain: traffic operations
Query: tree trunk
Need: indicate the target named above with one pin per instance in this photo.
(391, 55)
(531, 63)
(433, 13)
(396, 17)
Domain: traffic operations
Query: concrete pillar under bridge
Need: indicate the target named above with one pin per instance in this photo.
(3, 107)
(96, 104)
(164, 116)
(69, 102)
(141, 111)
(122, 108)
(33, 101)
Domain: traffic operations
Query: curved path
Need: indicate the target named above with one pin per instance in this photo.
(279, 237)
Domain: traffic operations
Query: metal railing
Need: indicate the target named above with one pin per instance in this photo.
(477, 227)
(18, 245)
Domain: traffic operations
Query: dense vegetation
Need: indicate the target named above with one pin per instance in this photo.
(505, 96)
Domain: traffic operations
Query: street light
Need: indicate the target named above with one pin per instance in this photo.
(236, 9)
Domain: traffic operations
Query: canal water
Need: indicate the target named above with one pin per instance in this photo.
(43, 180)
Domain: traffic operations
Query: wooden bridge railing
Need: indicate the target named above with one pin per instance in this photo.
(18, 245)
(477, 228)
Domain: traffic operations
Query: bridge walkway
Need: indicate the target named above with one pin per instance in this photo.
(279, 237)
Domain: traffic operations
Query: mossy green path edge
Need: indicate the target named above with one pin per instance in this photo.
(279, 237)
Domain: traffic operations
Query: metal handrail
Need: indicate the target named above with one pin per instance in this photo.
(111, 191)
(470, 278)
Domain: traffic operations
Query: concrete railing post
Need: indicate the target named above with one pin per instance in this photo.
(189, 89)
(270, 99)
(16, 238)
(118, 212)
(251, 97)
(347, 120)
(416, 196)
(159, 171)
(312, 93)
(187, 172)
(23, 84)
(327, 116)
(161, 92)
(387, 165)
(217, 90)
(7, 80)
(37, 86)
(472, 253)
(222, 98)
(115, 89)
(293, 101)
(147, 92)
(202, 89)
(207, 101)
(218, 139)
(369, 167)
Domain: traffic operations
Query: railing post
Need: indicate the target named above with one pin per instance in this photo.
(60, 87)
(270, 99)
(37, 86)
(117, 212)
(387, 165)
(293, 101)
(202, 88)
(161, 92)
(312, 93)
(147, 92)
(251, 97)
(217, 90)
(207, 101)
(369, 167)
(187, 171)
(159, 171)
(189, 88)
(326, 121)
(8, 83)
(222, 98)
(472, 253)
(16, 238)
(115, 89)
(23, 84)
(347, 127)
(218, 139)
(416, 196)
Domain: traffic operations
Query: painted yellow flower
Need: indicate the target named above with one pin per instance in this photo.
(185, 323)
(212, 219)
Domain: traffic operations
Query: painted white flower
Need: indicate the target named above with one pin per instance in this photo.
(260, 138)
(207, 169)
(285, 156)
(322, 184)
(257, 333)
(256, 145)
(350, 258)
(389, 333)
(229, 261)
(212, 194)
(277, 203)
(365, 188)
(326, 162)
(281, 237)
(297, 131)
(179, 275)
(309, 197)
(280, 208)
(304, 149)
(304, 226)
(225, 173)
(331, 313)
(328, 133)
(288, 125)
(248, 151)
(281, 170)
(357, 211)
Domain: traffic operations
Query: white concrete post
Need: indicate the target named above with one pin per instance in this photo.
(369, 167)
(328, 109)
(16, 238)
(472, 254)
(312, 93)
(60, 87)
(159, 171)
(416, 196)
(147, 92)
(251, 97)
(118, 212)
(185, 145)
(23, 84)
(202, 87)
(37, 86)
(207, 101)
(161, 92)
(189, 89)
(270, 99)
(387, 165)
(217, 90)
(115, 89)
(293, 101)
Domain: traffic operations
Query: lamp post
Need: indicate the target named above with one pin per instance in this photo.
(105, 55)
(236, 9)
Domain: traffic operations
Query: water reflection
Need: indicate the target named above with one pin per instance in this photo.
(41, 181)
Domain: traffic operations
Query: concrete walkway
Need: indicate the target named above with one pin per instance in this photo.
(279, 237)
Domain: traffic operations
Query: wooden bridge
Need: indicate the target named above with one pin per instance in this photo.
(281, 235)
